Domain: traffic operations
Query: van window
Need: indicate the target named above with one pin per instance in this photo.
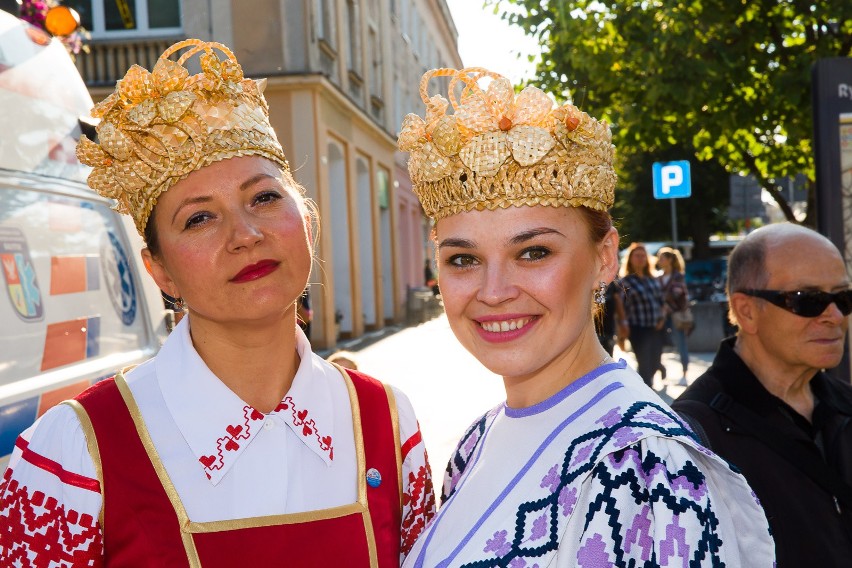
(69, 284)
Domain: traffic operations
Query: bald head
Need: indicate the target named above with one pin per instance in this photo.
(747, 262)
(750, 263)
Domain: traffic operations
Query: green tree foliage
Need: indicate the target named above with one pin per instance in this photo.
(729, 78)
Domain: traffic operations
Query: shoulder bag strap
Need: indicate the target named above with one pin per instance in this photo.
(693, 423)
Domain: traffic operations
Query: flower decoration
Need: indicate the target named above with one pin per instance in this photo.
(487, 126)
(437, 138)
(159, 126)
(504, 125)
(498, 149)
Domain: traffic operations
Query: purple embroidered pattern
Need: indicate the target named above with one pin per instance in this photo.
(638, 536)
(551, 480)
(498, 544)
(634, 498)
(567, 500)
(593, 554)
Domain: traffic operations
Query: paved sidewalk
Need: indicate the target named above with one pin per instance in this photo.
(675, 383)
(669, 389)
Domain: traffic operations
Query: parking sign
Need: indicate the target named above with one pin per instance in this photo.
(672, 180)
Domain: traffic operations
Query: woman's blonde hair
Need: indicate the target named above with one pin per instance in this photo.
(627, 268)
(675, 256)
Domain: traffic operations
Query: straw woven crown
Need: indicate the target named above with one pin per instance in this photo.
(498, 150)
(158, 127)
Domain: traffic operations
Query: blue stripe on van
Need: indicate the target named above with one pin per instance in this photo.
(14, 419)
(93, 273)
(93, 337)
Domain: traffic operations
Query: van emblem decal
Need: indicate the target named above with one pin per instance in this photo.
(119, 278)
(19, 275)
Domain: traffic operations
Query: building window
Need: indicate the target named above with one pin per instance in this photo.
(403, 19)
(325, 16)
(123, 18)
(377, 69)
(325, 20)
(353, 31)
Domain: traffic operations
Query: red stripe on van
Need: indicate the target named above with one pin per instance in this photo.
(65, 343)
(67, 274)
(49, 399)
(47, 464)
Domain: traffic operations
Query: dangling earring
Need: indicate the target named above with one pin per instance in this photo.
(600, 293)
(178, 305)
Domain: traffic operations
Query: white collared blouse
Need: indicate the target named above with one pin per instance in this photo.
(226, 459)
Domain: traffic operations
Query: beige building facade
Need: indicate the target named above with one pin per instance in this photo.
(341, 76)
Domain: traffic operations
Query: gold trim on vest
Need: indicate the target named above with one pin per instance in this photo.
(397, 442)
(92, 445)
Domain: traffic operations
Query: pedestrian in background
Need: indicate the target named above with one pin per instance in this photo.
(676, 309)
(429, 278)
(583, 465)
(236, 445)
(766, 405)
(643, 303)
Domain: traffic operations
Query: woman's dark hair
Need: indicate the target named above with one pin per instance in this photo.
(599, 223)
(150, 235)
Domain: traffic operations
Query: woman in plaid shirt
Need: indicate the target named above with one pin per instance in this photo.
(643, 304)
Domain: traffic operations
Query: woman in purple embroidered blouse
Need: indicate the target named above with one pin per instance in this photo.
(583, 465)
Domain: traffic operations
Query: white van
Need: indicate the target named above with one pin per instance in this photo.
(76, 304)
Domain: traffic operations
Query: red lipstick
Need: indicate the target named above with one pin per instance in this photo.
(255, 271)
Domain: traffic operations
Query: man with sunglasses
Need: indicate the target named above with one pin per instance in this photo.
(766, 404)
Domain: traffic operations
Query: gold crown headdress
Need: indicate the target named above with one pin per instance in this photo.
(158, 127)
(499, 150)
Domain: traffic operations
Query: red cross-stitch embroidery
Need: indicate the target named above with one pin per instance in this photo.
(228, 442)
(418, 505)
(36, 530)
(309, 427)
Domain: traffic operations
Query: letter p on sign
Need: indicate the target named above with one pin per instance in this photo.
(672, 180)
(672, 176)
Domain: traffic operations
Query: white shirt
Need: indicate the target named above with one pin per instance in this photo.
(225, 459)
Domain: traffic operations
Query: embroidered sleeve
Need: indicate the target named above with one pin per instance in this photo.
(50, 497)
(461, 456)
(418, 495)
(643, 508)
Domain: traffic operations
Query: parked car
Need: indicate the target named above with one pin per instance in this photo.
(75, 307)
(705, 278)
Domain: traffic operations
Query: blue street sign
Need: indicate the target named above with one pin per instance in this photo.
(672, 180)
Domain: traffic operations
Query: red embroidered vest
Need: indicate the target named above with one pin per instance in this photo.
(144, 523)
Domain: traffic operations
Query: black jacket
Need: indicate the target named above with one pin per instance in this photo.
(810, 527)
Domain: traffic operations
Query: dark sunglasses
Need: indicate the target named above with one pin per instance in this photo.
(805, 303)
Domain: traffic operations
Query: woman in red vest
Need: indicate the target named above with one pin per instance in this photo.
(236, 443)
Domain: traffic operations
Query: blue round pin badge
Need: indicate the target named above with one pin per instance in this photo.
(374, 478)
